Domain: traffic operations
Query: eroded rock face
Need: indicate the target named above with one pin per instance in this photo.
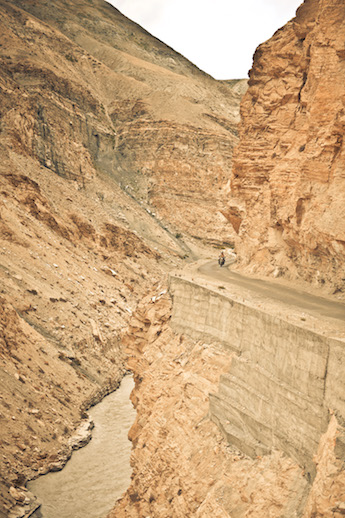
(182, 465)
(103, 93)
(284, 382)
(288, 183)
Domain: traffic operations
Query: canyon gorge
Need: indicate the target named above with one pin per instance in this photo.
(124, 170)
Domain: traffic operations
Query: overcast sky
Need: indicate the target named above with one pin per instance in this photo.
(219, 36)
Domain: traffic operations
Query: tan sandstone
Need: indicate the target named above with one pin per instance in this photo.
(182, 464)
(287, 189)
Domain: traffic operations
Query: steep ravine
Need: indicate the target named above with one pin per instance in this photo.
(102, 130)
(116, 157)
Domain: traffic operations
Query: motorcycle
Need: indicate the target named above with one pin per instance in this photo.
(221, 261)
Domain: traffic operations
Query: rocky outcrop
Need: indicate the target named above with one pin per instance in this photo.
(183, 466)
(232, 415)
(287, 188)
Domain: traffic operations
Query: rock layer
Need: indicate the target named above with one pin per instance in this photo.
(117, 99)
(287, 201)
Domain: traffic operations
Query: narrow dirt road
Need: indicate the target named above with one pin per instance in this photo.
(306, 301)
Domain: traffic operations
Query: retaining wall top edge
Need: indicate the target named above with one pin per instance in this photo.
(246, 304)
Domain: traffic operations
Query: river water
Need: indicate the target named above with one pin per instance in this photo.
(98, 474)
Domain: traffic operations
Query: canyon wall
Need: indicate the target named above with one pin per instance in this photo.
(287, 188)
(118, 101)
(239, 411)
(183, 466)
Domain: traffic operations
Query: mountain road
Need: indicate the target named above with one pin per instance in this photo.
(316, 305)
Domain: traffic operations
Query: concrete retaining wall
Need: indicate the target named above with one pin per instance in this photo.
(283, 379)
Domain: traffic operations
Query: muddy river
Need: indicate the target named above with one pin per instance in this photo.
(98, 474)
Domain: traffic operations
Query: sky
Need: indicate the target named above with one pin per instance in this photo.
(219, 36)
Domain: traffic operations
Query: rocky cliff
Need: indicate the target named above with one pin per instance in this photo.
(287, 189)
(112, 146)
(239, 408)
(286, 372)
(182, 464)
